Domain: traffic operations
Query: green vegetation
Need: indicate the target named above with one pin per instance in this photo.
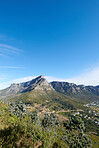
(22, 128)
(45, 118)
(94, 139)
(93, 128)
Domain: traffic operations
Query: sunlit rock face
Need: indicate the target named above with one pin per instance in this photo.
(39, 83)
(66, 87)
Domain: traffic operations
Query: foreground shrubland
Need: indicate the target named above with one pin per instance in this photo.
(21, 128)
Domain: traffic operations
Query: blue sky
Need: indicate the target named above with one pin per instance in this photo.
(56, 38)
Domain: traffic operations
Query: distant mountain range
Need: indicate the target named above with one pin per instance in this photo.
(40, 90)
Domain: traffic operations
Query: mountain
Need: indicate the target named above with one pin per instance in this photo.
(39, 83)
(55, 94)
(88, 93)
(39, 91)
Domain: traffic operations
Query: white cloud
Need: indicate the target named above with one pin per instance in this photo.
(23, 79)
(91, 77)
(3, 81)
(3, 77)
(4, 85)
(7, 83)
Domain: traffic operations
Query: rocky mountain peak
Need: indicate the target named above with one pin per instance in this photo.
(39, 83)
(43, 84)
(41, 76)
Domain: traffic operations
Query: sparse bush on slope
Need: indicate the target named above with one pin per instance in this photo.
(26, 129)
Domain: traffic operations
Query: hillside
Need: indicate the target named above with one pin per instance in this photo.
(22, 128)
(40, 91)
(38, 112)
(56, 95)
(86, 93)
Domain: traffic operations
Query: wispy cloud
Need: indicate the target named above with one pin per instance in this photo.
(10, 47)
(4, 37)
(24, 79)
(5, 84)
(6, 50)
(10, 67)
(89, 77)
(3, 81)
(3, 77)
(2, 55)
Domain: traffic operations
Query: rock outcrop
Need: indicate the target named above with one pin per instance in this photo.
(39, 83)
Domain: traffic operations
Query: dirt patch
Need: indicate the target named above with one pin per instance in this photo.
(61, 118)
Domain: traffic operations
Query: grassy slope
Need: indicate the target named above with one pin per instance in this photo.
(51, 98)
(85, 96)
(94, 139)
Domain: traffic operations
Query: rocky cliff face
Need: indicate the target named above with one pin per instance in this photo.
(65, 87)
(39, 83)
(71, 88)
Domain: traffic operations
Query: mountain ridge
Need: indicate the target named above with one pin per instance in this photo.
(88, 93)
(77, 87)
(41, 85)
